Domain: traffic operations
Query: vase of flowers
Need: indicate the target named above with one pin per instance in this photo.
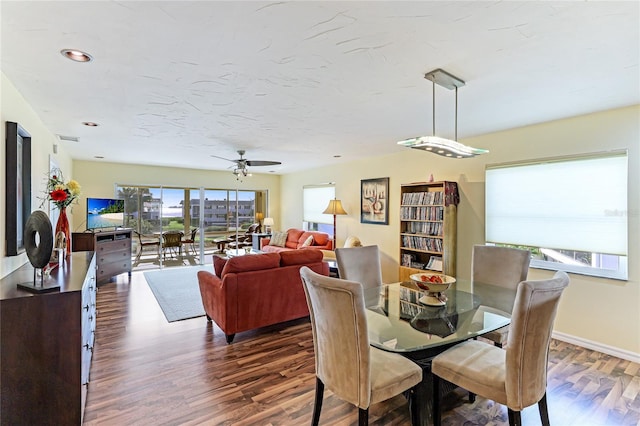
(62, 194)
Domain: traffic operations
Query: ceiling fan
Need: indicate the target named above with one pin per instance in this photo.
(242, 163)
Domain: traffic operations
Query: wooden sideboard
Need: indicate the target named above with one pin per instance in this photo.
(113, 251)
(47, 344)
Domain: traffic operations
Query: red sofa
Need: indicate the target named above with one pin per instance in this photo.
(296, 239)
(256, 290)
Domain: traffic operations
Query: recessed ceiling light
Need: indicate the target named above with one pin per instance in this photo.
(90, 124)
(76, 55)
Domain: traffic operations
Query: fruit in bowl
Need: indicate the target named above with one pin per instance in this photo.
(434, 285)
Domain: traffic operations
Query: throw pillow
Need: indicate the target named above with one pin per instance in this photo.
(278, 239)
(308, 242)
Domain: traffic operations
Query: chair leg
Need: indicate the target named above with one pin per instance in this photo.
(413, 407)
(544, 410)
(317, 404)
(363, 416)
(514, 417)
(437, 420)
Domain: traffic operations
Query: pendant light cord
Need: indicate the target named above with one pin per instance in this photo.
(456, 131)
(433, 109)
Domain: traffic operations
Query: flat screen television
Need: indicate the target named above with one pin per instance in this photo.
(105, 213)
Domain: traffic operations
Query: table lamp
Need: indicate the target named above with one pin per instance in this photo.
(268, 223)
(334, 208)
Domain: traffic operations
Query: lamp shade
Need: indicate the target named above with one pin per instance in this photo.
(259, 216)
(268, 221)
(335, 208)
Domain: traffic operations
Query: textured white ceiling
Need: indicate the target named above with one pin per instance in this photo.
(174, 82)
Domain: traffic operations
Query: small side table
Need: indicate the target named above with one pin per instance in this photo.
(333, 268)
(256, 238)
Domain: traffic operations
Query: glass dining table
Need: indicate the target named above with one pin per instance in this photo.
(399, 322)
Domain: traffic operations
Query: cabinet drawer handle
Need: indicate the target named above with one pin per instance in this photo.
(86, 308)
(89, 348)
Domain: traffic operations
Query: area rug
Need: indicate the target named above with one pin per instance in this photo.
(177, 291)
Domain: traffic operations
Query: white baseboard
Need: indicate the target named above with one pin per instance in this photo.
(609, 350)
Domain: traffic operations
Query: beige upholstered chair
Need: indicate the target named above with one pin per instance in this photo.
(503, 267)
(515, 377)
(345, 362)
(361, 264)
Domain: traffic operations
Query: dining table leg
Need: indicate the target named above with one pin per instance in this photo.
(421, 405)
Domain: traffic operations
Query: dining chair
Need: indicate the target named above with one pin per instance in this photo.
(172, 240)
(515, 376)
(146, 242)
(190, 242)
(502, 267)
(345, 362)
(361, 264)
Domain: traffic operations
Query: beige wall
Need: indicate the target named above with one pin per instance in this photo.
(98, 179)
(14, 108)
(600, 311)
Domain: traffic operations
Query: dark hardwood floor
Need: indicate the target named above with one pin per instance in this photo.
(147, 371)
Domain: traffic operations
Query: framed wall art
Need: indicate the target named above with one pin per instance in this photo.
(374, 201)
(18, 190)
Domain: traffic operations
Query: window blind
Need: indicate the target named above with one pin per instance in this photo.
(574, 204)
(315, 200)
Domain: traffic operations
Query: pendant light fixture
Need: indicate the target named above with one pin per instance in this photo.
(433, 143)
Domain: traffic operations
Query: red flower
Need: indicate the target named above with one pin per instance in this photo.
(58, 195)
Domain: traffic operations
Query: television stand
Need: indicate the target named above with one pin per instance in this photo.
(113, 251)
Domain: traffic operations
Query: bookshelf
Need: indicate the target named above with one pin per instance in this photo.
(428, 223)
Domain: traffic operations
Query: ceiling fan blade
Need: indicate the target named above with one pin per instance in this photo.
(222, 158)
(262, 163)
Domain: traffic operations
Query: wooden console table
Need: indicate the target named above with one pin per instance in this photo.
(47, 344)
(113, 251)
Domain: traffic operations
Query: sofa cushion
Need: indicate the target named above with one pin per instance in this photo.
(278, 239)
(293, 238)
(300, 257)
(319, 238)
(251, 262)
(218, 264)
(308, 242)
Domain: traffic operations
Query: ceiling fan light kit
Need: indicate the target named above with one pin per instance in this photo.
(438, 145)
(240, 170)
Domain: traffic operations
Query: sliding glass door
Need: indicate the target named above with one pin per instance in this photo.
(214, 214)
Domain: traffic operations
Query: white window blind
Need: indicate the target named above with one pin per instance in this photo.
(315, 200)
(573, 204)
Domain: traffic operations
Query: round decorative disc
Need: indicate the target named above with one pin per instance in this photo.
(39, 253)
